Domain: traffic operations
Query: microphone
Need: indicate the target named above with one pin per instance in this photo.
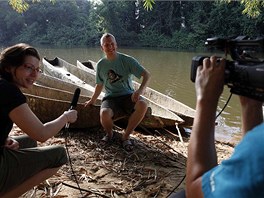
(74, 102)
(75, 98)
(73, 105)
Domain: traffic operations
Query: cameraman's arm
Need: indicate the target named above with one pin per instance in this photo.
(252, 113)
(201, 152)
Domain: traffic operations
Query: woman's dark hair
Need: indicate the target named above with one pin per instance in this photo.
(14, 56)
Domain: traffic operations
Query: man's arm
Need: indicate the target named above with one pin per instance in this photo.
(251, 112)
(145, 81)
(146, 78)
(201, 151)
(97, 91)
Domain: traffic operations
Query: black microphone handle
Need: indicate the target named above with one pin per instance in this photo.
(75, 98)
(74, 102)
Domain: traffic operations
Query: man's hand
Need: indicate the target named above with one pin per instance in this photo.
(136, 95)
(146, 78)
(11, 144)
(88, 103)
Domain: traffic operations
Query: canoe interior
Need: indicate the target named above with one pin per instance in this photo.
(47, 109)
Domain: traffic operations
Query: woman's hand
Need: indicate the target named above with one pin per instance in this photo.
(11, 144)
(71, 116)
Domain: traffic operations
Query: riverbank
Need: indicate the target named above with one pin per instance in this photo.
(155, 168)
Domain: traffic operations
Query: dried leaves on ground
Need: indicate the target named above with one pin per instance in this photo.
(155, 167)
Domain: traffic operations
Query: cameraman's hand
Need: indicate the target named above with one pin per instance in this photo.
(71, 115)
(209, 81)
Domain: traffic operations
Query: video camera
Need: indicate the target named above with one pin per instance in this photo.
(245, 74)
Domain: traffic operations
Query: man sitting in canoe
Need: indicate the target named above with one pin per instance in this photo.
(114, 73)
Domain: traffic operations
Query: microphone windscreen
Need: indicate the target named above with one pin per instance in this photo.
(75, 97)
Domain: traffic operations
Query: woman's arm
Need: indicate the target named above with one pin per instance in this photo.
(28, 122)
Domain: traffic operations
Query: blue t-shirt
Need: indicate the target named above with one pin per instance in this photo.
(241, 176)
(116, 75)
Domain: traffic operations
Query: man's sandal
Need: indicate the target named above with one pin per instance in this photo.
(106, 140)
(127, 145)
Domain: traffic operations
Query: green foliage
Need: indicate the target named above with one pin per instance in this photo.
(169, 24)
(183, 40)
(65, 23)
(152, 38)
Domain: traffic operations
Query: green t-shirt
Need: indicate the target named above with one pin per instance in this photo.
(116, 75)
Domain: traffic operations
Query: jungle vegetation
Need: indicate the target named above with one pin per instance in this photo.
(169, 24)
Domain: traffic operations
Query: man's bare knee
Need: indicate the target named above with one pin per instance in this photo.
(106, 112)
(141, 105)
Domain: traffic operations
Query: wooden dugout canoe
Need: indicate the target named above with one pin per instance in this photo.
(55, 93)
(47, 109)
(48, 103)
(61, 69)
(51, 81)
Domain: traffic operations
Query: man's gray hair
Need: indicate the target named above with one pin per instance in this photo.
(106, 35)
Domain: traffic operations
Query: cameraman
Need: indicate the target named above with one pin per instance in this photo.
(243, 174)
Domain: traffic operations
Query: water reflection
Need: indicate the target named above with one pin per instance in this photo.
(170, 72)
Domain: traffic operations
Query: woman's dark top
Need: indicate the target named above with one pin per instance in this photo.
(10, 98)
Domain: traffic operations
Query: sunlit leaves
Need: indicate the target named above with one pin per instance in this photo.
(19, 5)
(251, 7)
(148, 4)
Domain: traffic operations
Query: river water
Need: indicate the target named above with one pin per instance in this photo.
(170, 75)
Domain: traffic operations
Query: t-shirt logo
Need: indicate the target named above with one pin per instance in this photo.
(113, 77)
